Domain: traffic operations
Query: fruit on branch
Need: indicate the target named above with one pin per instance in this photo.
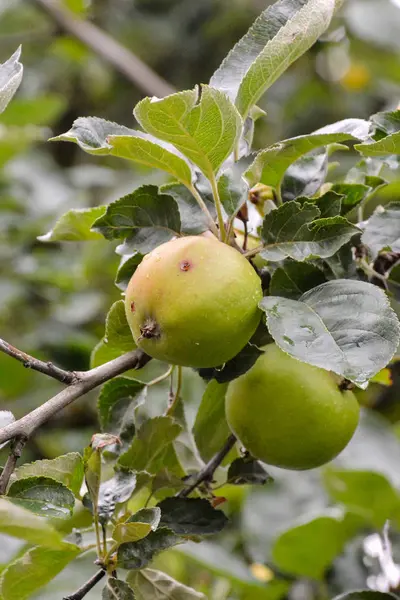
(193, 302)
(290, 414)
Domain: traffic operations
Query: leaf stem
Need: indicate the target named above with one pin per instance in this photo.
(175, 399)
(218, 206)
(15, 453)
(205, 210)
(100, 555)
(161, 377)
(253, 251)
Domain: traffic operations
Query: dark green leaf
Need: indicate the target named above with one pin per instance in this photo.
(143, 214)
(210, 429)
(293, 278)
(75, 226)
(352, 194)
(307, 550)
(67, 469)
(149, 584)
(118, 401)
(324, 329)
(115, 491)
(23, 524)
(148, 447)
(126, 269)
(10, 78)
(115, 589)
(291, 231)
(151, 516)
(382, 231)
(329, 204)
(33, 569)
(235, 367)
(136, 555)
(365, 493)
(191, 516)
(386, 122)
(43, 496)
(247, 471)
(193, 219)
(305, 176)
(342, 264)
(394, 281)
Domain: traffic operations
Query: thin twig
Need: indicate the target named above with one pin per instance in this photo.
(206, 474)
(86, 587)
(9, 467)
(109, 49)
(85, 382)
(29, 362)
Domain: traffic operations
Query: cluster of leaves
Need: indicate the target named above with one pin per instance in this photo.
(319, 256)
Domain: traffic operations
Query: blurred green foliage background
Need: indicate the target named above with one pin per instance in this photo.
(54, 297)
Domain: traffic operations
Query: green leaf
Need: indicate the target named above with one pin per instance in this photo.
(305, 176)
(382, 232)
(10, 78)
(394, 281)
(117, 403)
(205, 130)
(116, 490)
(329, 204)
(282, 33)
(150, 516)
(193, 219)
(210, 429)
(364, 493)
(352, 194)
(40, 110)
(293, 278)
(118, 337)
(148, 447)
(126, 269)
(67, 469)
(191, 516)
(31, 571)
(23, 524)
(270, 164)
(308, 549)
(130, 532)
(75, 226)
(384, 147)
(291, 231)
(246, 470)
(97, 136)
(323, 328)
(144, 218)
(43, 496)
(149, 584)
(136, 555)
(151, 152)
(115, 589)
(233, 191)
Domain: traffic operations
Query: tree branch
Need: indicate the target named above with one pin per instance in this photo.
(109, 49)
(29, 362)
(86, 587)
(9, 467)
(84, 382)
(206, 474)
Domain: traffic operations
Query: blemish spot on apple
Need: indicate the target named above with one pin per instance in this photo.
(185, 265)
(132, 307)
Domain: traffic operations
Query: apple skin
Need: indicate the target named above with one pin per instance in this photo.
(290, 414)
(193, 302)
